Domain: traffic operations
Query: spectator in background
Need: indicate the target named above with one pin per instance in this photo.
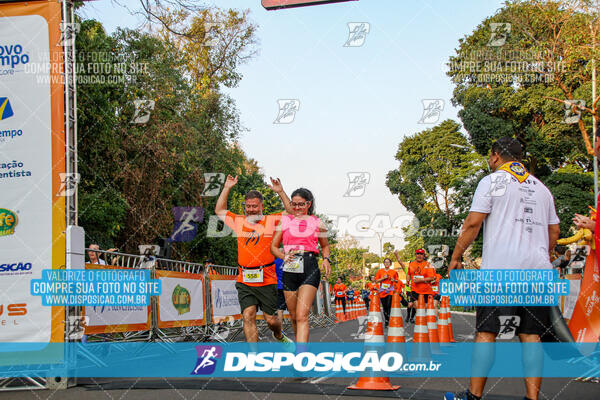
(94, 255)
(564, 256)
(209, 267)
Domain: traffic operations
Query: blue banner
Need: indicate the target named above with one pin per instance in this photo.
(95, 287)
(311, 360)
(504, 287)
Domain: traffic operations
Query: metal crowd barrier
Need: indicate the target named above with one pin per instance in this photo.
(228, 330)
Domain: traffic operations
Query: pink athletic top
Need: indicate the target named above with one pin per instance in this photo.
(300, 234)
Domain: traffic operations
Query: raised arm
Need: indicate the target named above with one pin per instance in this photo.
(398, 259)
(221, 207)
(278, 188)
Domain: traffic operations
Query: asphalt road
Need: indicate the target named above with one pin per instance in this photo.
(288, 388)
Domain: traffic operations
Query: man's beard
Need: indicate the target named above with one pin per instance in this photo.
(254, 218)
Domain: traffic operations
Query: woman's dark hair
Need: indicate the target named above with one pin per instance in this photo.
(388, 259)
(306, 195)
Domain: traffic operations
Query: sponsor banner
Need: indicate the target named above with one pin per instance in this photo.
(351, 359)
(224, 298)
(32, 157)
(181, 302)
(568, 304)
(585, 322)
(119, 318)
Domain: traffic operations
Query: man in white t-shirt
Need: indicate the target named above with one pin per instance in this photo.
(520, 228)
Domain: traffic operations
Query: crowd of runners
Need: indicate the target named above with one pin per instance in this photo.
(520, 229)
(421, 278)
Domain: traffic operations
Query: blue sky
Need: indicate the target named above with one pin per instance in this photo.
(356, 103)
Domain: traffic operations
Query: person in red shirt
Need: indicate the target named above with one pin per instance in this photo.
(386, 278)
(339, 289)
(420, 274)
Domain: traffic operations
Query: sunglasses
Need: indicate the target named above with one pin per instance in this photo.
(302, 204)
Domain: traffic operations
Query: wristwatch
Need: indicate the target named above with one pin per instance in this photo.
(326, 258)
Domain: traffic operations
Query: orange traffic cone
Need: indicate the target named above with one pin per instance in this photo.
(396, 326)
(444, 332)
(339, 313)
(374, 337)
(434, 338)
(421, 350)
(395, 335)
(450, 330)
(359, 301)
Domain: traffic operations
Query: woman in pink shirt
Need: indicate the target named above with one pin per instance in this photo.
(301, 234)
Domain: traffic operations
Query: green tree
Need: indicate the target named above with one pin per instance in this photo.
(132, 175)
(434, 164)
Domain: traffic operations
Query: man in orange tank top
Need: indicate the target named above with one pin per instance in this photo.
(257, 279)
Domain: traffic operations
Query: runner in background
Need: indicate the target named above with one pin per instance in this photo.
(400, 289)
(372, 288)
(350, 296)
(357, 295)
(281, 307)
(421, 274)
(364, 293)
(386, 278)
(435, 287)
(405, 293)
(301, 235)
(339, 289)
(257, 279)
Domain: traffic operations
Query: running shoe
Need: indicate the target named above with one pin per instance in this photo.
(458, 396)
(286, 341)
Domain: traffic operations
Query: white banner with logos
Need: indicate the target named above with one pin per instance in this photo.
(181, 299)
(224, 299)
(116, 315)
(26, 197)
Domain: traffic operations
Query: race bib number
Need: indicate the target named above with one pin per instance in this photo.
(340, 294)
(252, 275)
(385, 286)
(295, 266)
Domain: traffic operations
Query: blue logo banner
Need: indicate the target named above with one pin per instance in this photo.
(309, 360)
